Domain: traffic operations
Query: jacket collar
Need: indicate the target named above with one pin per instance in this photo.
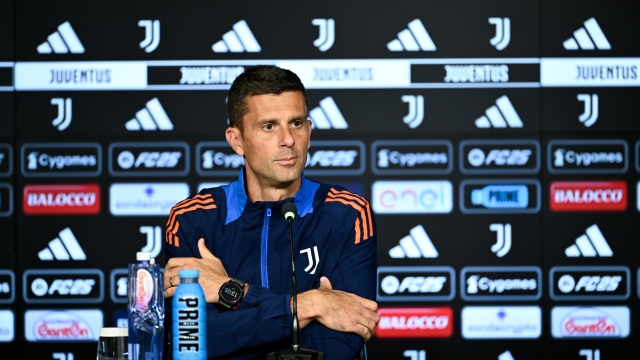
(238, 201)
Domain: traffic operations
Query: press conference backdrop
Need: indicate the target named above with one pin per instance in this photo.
(497, 142)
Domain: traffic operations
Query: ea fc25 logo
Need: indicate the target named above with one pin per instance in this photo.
(67, 286)
(149, 159)
(575, 322)
(411, 157)
(61, 199)
(588, 196)
(499, 157)
(500, 196)
(61, 159)
(335, 158)
(568, 283)
(588, 156)
(433, 322)
(501, 283)
(416, 283)
(412, 197)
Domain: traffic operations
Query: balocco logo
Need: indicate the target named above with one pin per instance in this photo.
(63, 286)
(588, 196)
(61, 199)
(434, 322)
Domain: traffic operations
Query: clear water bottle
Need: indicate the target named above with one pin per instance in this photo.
(146, 309)
(189, 318)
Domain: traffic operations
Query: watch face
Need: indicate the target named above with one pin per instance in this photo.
(231, 292)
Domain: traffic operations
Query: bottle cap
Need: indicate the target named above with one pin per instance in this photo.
(189, 274)
(143, 256)
(113, 332)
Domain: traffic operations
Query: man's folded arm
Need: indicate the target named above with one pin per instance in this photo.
(356, 274)
(262, 320)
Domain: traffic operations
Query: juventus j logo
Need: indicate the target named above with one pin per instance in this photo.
(416, 110)
(590, 114)
(154, 240)
(151, 34)
(327, 33)
(311, 263)
(503, 32)
(64, 113)
(503, 235)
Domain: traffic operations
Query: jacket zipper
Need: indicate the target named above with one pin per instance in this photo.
(264, 247)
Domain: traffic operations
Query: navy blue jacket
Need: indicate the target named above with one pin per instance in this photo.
(334, 236)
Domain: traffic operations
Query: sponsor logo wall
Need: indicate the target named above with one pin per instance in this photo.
(498, 149)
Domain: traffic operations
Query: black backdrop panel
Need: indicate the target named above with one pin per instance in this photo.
(458, 120)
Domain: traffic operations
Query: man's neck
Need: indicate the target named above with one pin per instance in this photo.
(258, 191)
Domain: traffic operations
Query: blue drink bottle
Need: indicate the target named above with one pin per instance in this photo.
(189, 318)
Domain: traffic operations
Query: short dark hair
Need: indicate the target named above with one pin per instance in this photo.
(259, 80)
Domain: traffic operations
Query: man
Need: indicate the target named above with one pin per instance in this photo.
(237, 232)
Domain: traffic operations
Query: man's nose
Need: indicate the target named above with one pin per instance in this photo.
(287, 138)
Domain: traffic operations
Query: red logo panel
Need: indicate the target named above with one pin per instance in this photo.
(588, 196)
(61, 199)
(435, 322)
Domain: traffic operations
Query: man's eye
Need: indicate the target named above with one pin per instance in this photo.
(296, 123)
(268, 127)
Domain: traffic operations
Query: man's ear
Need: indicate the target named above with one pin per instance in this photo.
(310, 126)
(234, 138)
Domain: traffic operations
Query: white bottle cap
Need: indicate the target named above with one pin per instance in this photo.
(114, 332)
(143, 256)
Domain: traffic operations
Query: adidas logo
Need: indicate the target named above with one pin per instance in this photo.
(327, 115)
(585, 37)
(152, 117)
(506, 115)
(415, 245)
(239, 39)
(590, 244)
(414, 38)
(62, 41)
(64, 247)
(506, 356)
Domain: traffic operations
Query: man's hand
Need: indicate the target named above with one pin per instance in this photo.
(338, 310)
(212, 273)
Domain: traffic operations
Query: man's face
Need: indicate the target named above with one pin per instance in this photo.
(276, 138)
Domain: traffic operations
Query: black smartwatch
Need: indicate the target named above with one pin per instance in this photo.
(231, 293)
